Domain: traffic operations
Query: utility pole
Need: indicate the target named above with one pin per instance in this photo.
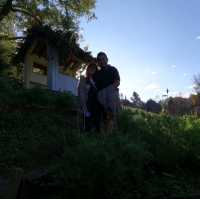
(167, 91)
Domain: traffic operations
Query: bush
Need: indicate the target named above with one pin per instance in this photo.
(13, 95)
(172, 140)
(150, 155)
(104, 167)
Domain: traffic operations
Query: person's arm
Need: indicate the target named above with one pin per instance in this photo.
(116, 75)
(116, 83)
(82, 94)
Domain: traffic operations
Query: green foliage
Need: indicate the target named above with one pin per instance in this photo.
(58, 14)
(5, 54)
(28, 121)
(103, 167)
(7, 48)
(196, 81)
(151, 154)
(172, 140)
(17, 17)
(14, 96)
(136, 101)
(66, 44)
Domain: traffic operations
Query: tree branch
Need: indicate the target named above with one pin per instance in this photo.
(26, 12)
(7, 38)
(8, 7)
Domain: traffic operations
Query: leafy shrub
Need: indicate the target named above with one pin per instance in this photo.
(13, 95)
(150, 155)
(104, 167)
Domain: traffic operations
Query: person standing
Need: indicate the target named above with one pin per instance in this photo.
(107, 81)
(87, 93)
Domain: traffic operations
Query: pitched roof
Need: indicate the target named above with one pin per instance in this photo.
(69, 51)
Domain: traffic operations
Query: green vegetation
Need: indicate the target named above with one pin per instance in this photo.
(58, 19)
(151, 155)
(7, 47)
(62, 15)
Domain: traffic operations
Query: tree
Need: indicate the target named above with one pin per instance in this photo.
(152, 106)
(136, 101)
(58, 14)
(18, 17)
(6, 52)
(197, 83)
(195, 100)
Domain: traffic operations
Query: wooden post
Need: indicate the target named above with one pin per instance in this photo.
(53, 65)
(28, 62)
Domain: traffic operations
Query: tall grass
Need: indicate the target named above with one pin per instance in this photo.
(150, 155)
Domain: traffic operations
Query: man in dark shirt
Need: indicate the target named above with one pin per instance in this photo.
(105, 77)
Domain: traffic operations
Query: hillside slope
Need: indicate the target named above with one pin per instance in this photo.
(151, 156)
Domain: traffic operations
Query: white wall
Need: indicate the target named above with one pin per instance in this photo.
(66, 83)
(37, 78)
(29, 76)
(40, 79)
(54, 79)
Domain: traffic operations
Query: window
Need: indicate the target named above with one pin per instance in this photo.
(39, 69)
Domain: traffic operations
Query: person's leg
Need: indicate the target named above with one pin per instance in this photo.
(107, 122)
(88, 126)
(97, 117)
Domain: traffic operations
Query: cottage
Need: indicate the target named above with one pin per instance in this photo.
(51, 59)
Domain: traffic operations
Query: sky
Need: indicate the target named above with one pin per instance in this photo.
(155, 44)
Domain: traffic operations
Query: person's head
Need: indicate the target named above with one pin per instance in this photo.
(102, 59)
(91, 69)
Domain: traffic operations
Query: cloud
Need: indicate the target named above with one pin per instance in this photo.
(184, 94)
(191, 87)
(154, 73)
(187, 94)
(198, 37)
(173, 66)
(152, 87)
(185, 74)
(174, 93)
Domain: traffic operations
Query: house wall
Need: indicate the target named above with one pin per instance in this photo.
(37, 78)
(54, 80)
(40, 79)
(29, 76)
(67, 83)
(53, 66)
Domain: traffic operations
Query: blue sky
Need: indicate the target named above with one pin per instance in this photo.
(155, 44)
